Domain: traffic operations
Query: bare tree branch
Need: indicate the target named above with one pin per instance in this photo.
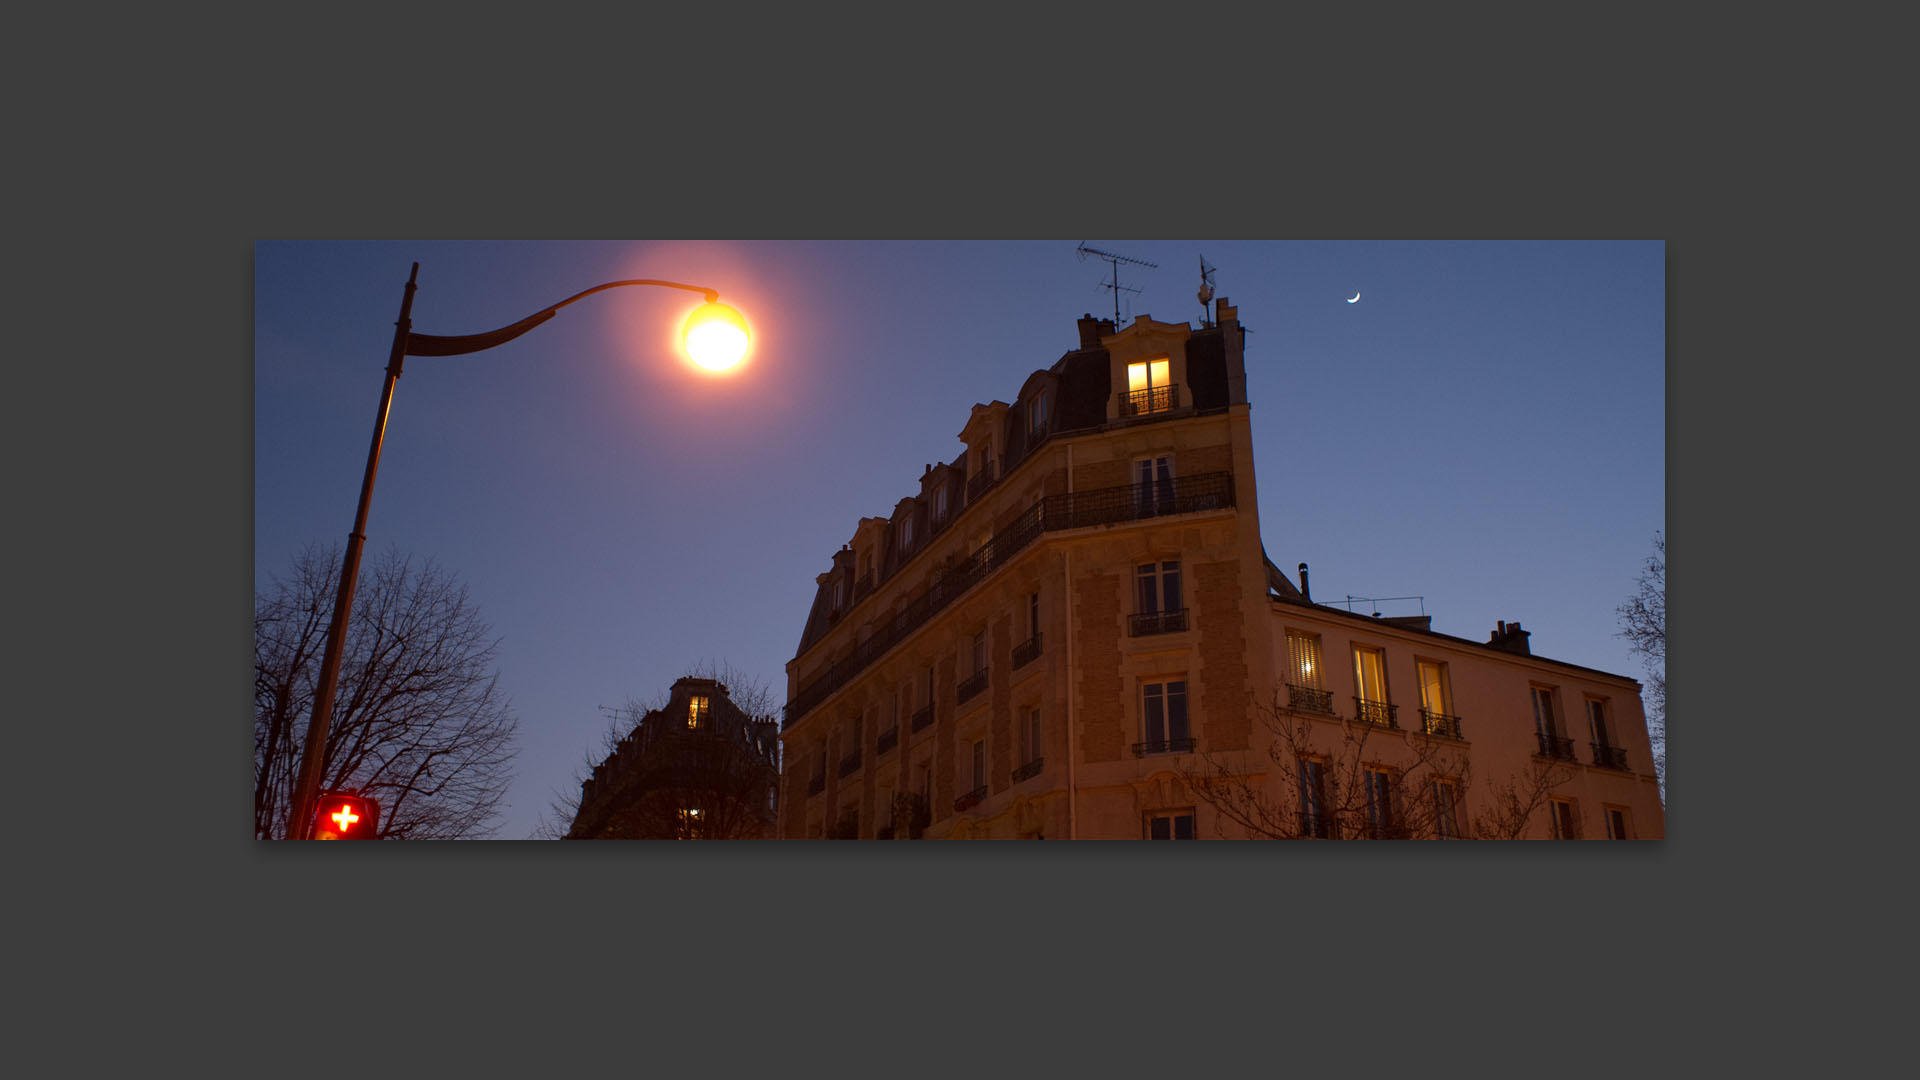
(1643, 622)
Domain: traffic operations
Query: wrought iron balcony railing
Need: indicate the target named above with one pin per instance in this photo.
(816, 785)
(971, 687)
(1375, 712)
(1151, 400)
(1024, 653)
(1439, 723)
(1029, 770)
(849, 763)
(923, 717)
(1610, 757)
(1317, 825)
(1069, 510)
(1163, 746)
(971, 799)
(1555, 746)
(1307, 699)
(1157, 622)
(889, 739)
(979, 482)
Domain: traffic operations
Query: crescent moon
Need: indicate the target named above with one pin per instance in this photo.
(1356, 298)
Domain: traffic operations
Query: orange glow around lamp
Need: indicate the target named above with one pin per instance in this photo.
(715, 337)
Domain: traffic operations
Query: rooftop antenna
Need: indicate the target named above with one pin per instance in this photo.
(1206, 289)
(1114, 261)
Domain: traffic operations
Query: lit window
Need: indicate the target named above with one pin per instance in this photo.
(1303, 660)
(1149, 388)
(692, 823)
(696, 711)
(1370, 685)
(1436, 695)
(1170, 825)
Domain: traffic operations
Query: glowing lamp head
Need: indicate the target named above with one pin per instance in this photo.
(345, 817)
(716, 336)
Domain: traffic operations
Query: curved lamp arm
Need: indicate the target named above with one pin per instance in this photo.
(436, 345)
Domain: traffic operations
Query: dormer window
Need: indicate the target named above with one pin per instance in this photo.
(906, 533)
(1149, 388)
(940, 503)
(839, 593)
(1037, 412)
(697, 708)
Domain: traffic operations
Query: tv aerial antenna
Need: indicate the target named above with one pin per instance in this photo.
(1114, 261)
(1206, 289)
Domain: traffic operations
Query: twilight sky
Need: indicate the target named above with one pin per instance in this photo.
(1485, 429)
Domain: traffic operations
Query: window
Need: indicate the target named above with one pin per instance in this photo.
(1315, 818)
(839, 593)
(1149, 388)
(940, 502)
(979, 653)
(1597, 721)
(1033, 616)
(1157, 601)
(906, 532)
(1163, 716)
(1565, 820)
(1153, 486)
(1436, 700)
(1546, 724)
(1037, 412)
(1033, 734)
(1616, 823)
(1303, 660)
(1379, 783)
(690, 823)
(1170, 825)
(1446, 807)
(697, 707)
(866, 567)
(1370, 686)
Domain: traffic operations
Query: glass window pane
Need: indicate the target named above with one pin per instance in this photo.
(1159, 828)
(1183, 827)
(1156, 717)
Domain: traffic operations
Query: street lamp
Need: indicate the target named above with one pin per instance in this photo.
(715, 336)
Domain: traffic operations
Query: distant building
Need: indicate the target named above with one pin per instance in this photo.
(698, 768)
(1072, 630)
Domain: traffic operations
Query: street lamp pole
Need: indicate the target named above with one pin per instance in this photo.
(406, 343)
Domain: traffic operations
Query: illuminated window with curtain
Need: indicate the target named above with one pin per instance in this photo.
(1436, 701)
(1305, 672)
(697, 707)
(1149, 388)
(1370, 682)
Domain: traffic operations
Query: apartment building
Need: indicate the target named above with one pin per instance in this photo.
(697, 768)
(1072, 630)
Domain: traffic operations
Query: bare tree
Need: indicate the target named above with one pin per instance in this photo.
(419, 724)
(1643, 622)
(1340, 778)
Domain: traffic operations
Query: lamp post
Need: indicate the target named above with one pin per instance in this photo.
(715, 336)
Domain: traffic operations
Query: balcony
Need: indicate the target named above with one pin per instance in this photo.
(816, 785)
(924, 718)
(1157, 622)
(1029, 770)
(889, 739)
(970, 800)
(1151, 400)
(971, 688)
(1307, 699)
(1163, 746)
(1025, 652)
(1439, 723)
(978, 483)
(1071, 510)
(1610, 757)
(849, 763)
(1378, 713)
(1555, 746)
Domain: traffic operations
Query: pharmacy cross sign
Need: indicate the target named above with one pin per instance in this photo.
(346, 817)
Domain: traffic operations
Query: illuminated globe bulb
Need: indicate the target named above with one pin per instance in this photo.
(716, 336)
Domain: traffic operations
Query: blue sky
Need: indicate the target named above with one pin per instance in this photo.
(1485, 428)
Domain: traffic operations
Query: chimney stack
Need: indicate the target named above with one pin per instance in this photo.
(1305, 593)
(1508, 637)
